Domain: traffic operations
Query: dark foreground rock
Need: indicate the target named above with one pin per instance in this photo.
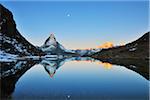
(11, 41)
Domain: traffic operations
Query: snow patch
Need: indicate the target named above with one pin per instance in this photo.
(13, 42)
(6, 57)
(132, 49)
(132, 66)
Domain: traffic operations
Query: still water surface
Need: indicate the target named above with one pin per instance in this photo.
(81, 79)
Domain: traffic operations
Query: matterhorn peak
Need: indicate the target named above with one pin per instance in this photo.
(51, 40)
(51, 46)
(52, 36)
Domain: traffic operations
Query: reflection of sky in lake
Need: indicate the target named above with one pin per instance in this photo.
(82, 79)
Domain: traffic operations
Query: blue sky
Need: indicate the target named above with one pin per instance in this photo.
(80, 24)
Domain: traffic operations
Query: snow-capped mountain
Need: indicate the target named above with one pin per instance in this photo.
(87, 52)
(11, 40)
(51, 41)
(51, 46)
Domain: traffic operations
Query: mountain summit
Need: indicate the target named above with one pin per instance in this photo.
(51, 46)
(51, 40)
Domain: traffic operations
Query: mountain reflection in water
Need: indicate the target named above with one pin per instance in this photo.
(11, 72)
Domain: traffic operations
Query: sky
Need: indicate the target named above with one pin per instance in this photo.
(80, 24)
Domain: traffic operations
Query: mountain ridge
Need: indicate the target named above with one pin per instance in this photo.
(11, 40)
(138, 49)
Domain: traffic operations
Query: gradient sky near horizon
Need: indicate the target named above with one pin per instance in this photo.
(80, 24)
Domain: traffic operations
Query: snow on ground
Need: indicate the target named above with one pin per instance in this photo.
(6, 57)
(132, 49)
(132, 66)
(13, 42)
(28, 57)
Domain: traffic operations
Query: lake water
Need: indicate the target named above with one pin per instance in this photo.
(79, 79)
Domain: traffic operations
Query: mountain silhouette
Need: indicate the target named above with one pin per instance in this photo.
(138, 49)
(10, 38)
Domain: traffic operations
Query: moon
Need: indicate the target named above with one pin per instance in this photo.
(68, 15)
